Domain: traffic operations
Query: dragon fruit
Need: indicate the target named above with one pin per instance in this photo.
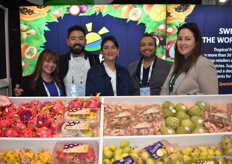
(27, 114)
(93, 102)
(43, 120)
(76, 103)
(58, 108)
(62, 156)
(35, 104)
(11, 111)
(10, 132)
(17, 124)
(44, 132)
(5, 122)
(27, 133)
(88, 157)
(32, 124)
(56, 123)
(5, 101)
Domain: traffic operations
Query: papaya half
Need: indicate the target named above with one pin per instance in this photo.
(29, 13)
(180, 9)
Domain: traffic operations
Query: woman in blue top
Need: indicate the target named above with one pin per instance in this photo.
(44, 80)
(108, 78)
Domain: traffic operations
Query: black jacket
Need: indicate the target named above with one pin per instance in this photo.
(64, 61)
(26, 85)
(98, 81)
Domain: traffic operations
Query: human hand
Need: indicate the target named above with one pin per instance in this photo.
(18, 91)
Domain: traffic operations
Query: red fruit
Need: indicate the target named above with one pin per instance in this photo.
(5, 122)
(5, 101)
(10, 132)
(76, 103)
(47, 103)
(11, 111)
(56, 123)
(43, 120)
(23, 105)
(93, 102)
(32, 124)
(62, 156)
(57, 108)
(27, 114)
(17, 124)
(1, 133)
(27, 133)
(35, 104)
(44, 132)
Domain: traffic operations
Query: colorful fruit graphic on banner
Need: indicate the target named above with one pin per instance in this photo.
(160, 20)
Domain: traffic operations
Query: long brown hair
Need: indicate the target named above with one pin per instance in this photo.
(181, 64)
(46, 54)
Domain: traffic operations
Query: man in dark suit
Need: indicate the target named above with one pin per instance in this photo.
(149, 73)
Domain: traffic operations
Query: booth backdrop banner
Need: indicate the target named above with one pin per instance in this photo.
(47, 28)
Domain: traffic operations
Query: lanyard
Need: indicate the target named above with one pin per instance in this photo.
(149, 74)
(172, 82)
(47, 91)
(82, 69)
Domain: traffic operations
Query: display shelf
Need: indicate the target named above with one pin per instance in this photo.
(181, 139)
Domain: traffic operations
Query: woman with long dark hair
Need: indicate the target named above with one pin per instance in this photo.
(44, 81)
(192, 73)
(108, 78)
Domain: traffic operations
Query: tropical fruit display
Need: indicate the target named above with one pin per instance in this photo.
(161, 152)
(183, 119)
(25, 156)
(36, 118)
(82, 118)
(227, 148)
(78, 152)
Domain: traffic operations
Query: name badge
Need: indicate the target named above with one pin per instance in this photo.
(77, 90)
(145, 91)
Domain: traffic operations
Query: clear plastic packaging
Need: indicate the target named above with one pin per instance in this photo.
(160, 150)
(78, 152)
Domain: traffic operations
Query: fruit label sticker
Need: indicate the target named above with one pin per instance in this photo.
(156, 150)
(126, 160)
(79, 111)
(77, 125)
(76, 148)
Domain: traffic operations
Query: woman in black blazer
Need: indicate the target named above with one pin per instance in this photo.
(44, 80)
